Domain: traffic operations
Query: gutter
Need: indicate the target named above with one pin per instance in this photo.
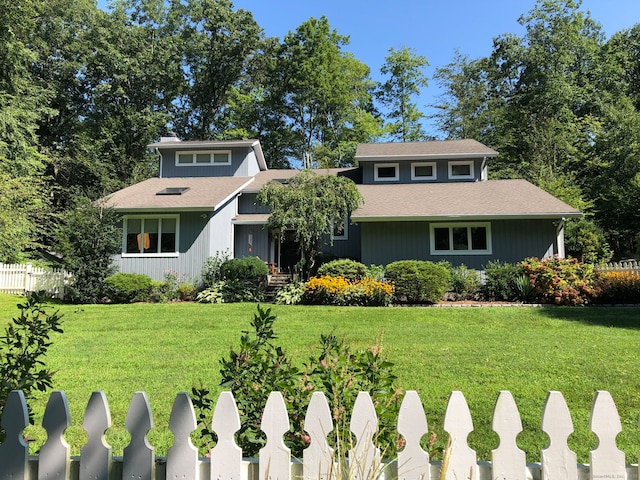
(439, 218)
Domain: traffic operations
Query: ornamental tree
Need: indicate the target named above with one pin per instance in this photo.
(310, 205)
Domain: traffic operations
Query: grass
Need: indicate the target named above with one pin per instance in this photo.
(164, 349)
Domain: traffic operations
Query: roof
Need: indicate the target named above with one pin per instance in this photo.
(204, 193)
(262, 178)
(491, 199)
(421, 150)
(254, 144)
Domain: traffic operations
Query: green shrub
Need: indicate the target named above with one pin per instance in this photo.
(344, 267)
(186, 292)
(560, 281)
(290, 294)
(128, 287)
(465, 283)
(618, 287)
(418, 281)
(259, 366)
(231, 291)
(501, 280)
(249, 268)
(210, 273)
(376, 272)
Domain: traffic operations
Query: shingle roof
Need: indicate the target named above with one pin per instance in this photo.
(488, 199)
(413, 150)
(262, 178)
(204, 193)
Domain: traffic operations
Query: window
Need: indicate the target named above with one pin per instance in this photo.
(460, 238)
(150, 235)
(461, 170)
(340, 230)
(219, 157)
(423, 171)
(385, 172)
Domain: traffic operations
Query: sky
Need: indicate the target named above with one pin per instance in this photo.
(434, 29)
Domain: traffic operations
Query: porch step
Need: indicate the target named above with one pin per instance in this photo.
(275, 283)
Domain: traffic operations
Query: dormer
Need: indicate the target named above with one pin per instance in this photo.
(223, 158)
(419, 162)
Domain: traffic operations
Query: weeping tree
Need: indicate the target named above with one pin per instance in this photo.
(310, 205)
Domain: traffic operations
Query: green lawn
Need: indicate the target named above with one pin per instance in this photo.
(166, 348)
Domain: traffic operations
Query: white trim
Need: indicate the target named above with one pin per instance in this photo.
(125, 220)
(471, 175)
(345, 231)
(451, 250)
(434, 170)
(210, 153)
(377, 166)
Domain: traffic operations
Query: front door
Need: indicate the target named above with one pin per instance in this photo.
(289, 253)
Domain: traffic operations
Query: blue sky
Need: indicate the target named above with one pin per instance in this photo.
(434, 29)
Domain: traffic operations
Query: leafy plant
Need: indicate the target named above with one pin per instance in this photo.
(344, 267)
(128, 287)
(290, 294)
(230, 291)
(249, 268)
(210, 274)
(418, 281)
(465, 283)
(618, 287)
(500, 281)
(328, 290)
(22, 347)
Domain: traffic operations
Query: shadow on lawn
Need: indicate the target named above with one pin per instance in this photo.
(618, 317)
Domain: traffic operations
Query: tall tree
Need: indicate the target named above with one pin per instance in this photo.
(309, 205)
(406, 80)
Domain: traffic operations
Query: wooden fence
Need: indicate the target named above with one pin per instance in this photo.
(624, 266)
(557, 461)
(25, 278)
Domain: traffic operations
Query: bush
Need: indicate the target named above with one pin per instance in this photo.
(128, 287)
(231, 291)
(618, 287)
(465, 283)
(210, 274)
(249, 268)
(344, 267)
(186, 292)
(290, 294)
(501, 281)
(418, 281)
(329, 290)
(560, 281)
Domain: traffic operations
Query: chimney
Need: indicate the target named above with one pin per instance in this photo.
(171, 137)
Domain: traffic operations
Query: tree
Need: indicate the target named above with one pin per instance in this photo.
(88, 238)
(309, 205)
(406, 78)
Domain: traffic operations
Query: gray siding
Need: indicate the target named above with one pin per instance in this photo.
(512, 241)
(243, 164)
(259, 246)
(247, 204)
(349, 248)
(442, 168)
(221, 230)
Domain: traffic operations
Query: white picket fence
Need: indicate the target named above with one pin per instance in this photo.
(624, 266)
(25, 278)
(557, 461)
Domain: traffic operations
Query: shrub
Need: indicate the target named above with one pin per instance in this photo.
(618, 287)
(128, 287)
(186, 292)
(259, 366)
(501, 281)
(24, 343)
(210, 274)
(290, 294)
(344, 267)
(376, 272)
(231, 291)
(418, 281)
(329, 290)
(249, 268)
(560, 281)
(465, 283)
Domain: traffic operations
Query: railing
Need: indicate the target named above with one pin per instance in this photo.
(557, 462)
(25, 278)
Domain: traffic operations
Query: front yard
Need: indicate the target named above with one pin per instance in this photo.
(164, 349)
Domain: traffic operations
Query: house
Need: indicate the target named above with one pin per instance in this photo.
(422, 200)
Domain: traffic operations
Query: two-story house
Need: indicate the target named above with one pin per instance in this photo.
(422, 200)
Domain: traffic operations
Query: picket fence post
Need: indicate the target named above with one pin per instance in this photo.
(558, 462)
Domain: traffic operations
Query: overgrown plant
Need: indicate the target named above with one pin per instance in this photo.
(22, 347)
(260, 366)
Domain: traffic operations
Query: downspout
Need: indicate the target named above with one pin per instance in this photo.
(560, 238)
(160, 160)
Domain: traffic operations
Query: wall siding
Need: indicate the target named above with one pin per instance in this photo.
(512, 241)
(243, 164)
(349, 248)
(442, 170)
(248, 203)
(260, 245)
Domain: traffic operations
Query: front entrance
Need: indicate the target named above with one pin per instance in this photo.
(286, 252)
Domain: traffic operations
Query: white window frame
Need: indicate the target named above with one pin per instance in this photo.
(451, 226)
(433, 176)
(471, 175)
(195, 153)
(345, 230)
(142, 218)
(377, 166)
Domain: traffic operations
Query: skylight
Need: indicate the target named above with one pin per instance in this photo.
(173, 191)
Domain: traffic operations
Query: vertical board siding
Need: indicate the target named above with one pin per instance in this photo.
(404, 166)
(248, 203)
(260, 245)
(511, 240)
(320, 461)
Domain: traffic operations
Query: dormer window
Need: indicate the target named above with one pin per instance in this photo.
(217, 157)
(386, 172)
(461, 170)
(423, 171)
